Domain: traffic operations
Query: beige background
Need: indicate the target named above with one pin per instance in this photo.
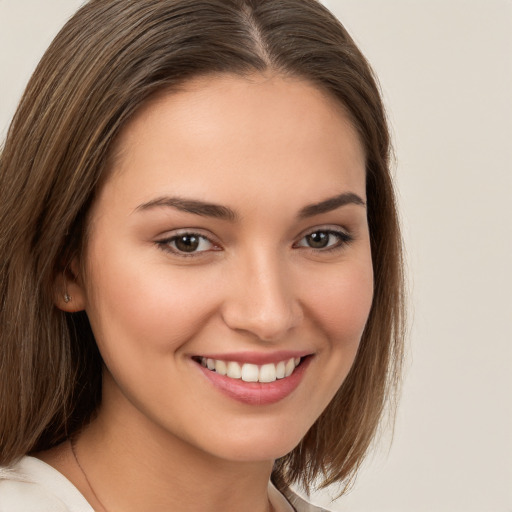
(446, 71)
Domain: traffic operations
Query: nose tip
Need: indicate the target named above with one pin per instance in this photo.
(264, 306)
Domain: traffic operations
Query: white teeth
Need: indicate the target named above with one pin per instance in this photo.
(280, 370)
(251, 372)
(234, 371)
(290, 366)
(268, 373)
(220, 367)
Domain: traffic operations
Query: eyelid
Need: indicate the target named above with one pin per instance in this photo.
(343, 234)
(164, 242)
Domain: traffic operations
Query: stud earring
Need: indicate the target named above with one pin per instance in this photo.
(67, 298)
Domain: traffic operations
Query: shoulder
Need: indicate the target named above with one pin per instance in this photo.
(30, 485)
(301, 505)
(290, 501)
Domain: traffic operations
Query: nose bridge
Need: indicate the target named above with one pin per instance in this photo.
(262, 301)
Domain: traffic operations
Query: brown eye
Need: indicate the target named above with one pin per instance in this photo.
(187, 243)
(318, 239)
(324, 239)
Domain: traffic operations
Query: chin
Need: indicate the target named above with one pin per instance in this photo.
(259, 445)
(252, 452)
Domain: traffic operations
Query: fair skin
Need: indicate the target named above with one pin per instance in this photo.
(278, 269)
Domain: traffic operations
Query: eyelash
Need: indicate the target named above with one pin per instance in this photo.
(343, 239)
(165, 244)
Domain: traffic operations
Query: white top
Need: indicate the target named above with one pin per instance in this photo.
(31, 485)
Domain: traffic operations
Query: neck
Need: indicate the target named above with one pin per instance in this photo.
(137, 466)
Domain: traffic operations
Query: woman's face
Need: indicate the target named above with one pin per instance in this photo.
(231, 236)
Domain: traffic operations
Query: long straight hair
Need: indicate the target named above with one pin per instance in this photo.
(106, 62)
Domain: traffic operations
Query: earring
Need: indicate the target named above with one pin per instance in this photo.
(67, 298)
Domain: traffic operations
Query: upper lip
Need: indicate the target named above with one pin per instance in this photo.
(258, 358)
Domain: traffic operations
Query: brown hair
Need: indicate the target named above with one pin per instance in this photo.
(103, 65)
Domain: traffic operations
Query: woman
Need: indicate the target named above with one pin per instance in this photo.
(201, 277)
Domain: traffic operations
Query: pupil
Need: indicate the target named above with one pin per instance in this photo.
(187, 243)
(318, 240)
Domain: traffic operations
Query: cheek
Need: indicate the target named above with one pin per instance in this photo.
(342, 304)
(137, 305)
(337, 304)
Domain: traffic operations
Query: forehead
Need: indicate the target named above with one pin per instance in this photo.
(234, 133)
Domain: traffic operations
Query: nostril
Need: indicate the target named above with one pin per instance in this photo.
(267, 326)
(262, 301)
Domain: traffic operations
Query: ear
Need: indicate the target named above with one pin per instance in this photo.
(69, 293)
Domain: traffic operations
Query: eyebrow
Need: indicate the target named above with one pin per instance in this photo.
(194, 206)
(331, 204)
(217, 211)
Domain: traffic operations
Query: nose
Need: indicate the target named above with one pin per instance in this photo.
(262, 301)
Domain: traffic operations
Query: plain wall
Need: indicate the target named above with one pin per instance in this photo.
(445, 68)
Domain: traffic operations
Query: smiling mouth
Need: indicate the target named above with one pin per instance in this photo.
(248, 372)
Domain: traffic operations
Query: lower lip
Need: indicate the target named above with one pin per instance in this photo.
(257, 393)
